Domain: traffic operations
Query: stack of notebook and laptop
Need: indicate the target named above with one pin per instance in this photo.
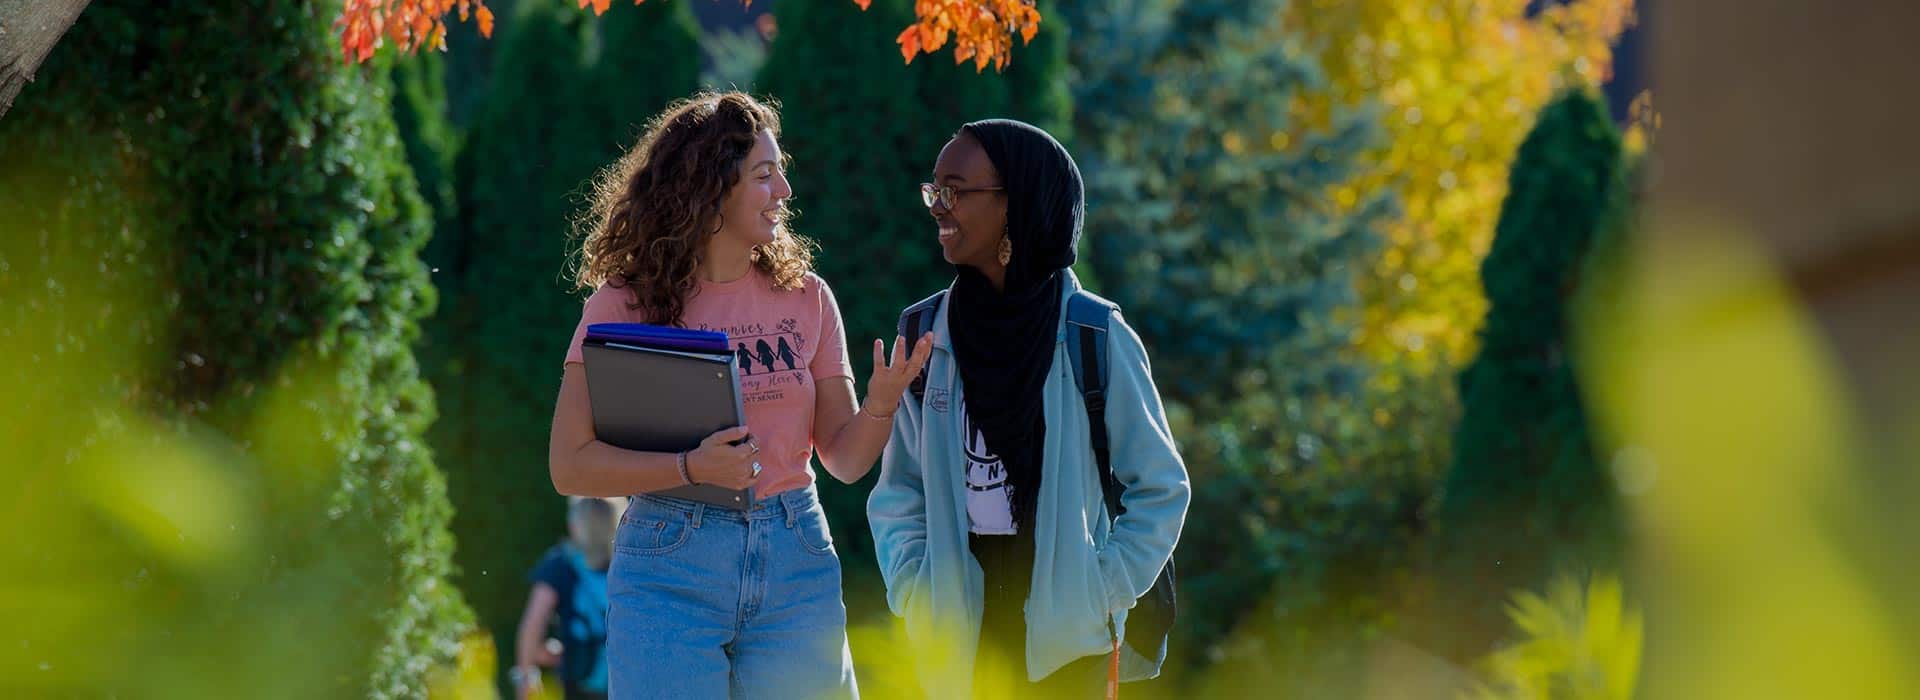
(660, 389)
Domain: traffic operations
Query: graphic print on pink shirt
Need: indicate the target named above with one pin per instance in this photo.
(771, 360)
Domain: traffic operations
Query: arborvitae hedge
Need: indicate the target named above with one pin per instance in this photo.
(211, 280)
(1527, 495)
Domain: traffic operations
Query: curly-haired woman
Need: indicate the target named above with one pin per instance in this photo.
(689, 229)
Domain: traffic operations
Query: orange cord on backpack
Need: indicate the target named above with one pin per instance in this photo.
(1113, 672)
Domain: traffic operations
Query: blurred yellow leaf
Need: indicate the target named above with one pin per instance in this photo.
(1578, 642)
(470, 676)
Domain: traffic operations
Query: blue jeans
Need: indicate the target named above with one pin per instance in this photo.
(707, 602)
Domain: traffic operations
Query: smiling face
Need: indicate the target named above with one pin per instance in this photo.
(971, 230)
(755, 207)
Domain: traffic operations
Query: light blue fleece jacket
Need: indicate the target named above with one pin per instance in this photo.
(1083, 570)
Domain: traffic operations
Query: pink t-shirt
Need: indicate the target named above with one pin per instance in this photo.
(786, 343)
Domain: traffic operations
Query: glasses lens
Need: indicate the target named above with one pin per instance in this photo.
(928, 194)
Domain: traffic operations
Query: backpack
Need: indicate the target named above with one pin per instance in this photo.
(1152, 617)
(582, 623)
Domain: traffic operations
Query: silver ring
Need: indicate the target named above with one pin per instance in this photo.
(756, 470)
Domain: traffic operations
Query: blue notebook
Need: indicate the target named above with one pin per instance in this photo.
(658, 337)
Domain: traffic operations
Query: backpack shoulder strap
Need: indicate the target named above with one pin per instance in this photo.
(1088, 317)
(915, 320)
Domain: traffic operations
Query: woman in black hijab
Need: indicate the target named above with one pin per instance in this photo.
(992, 463)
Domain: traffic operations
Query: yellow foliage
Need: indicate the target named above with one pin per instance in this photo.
(470, 676)
(1577, 643)
(1459, 82)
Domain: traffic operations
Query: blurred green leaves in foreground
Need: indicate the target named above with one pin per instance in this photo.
(152, 556)
(1770, 527)
(1773, 540)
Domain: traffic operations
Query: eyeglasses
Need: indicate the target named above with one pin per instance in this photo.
(946, 195)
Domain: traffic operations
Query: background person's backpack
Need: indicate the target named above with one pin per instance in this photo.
(1151, 619)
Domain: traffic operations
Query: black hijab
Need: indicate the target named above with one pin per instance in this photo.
(1003, 341)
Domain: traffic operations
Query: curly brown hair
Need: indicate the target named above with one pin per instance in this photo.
(648, 227)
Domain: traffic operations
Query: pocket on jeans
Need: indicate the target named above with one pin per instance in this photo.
(811, 528)
(651, 530)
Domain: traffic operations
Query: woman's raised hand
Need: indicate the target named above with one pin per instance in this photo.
(890, 379)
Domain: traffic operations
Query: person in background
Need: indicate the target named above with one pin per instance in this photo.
(570, 589)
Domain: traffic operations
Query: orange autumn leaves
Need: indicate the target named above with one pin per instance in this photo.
(981, 30)
(409, 24)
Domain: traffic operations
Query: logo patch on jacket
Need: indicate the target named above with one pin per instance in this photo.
(938, 399)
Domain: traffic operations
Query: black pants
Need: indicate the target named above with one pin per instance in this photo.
(1000, 668)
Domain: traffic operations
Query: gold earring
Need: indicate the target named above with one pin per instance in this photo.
(1006, 250)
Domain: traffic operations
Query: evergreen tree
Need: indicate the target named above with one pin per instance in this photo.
(419, 110)
(470, 59)
(211, 270)
(1527, 496)
(647, 56)
(1207, 215)
(432, 144)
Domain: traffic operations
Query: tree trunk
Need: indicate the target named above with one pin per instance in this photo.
(28, 30)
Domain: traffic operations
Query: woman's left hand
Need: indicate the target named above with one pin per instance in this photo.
(890, 379)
